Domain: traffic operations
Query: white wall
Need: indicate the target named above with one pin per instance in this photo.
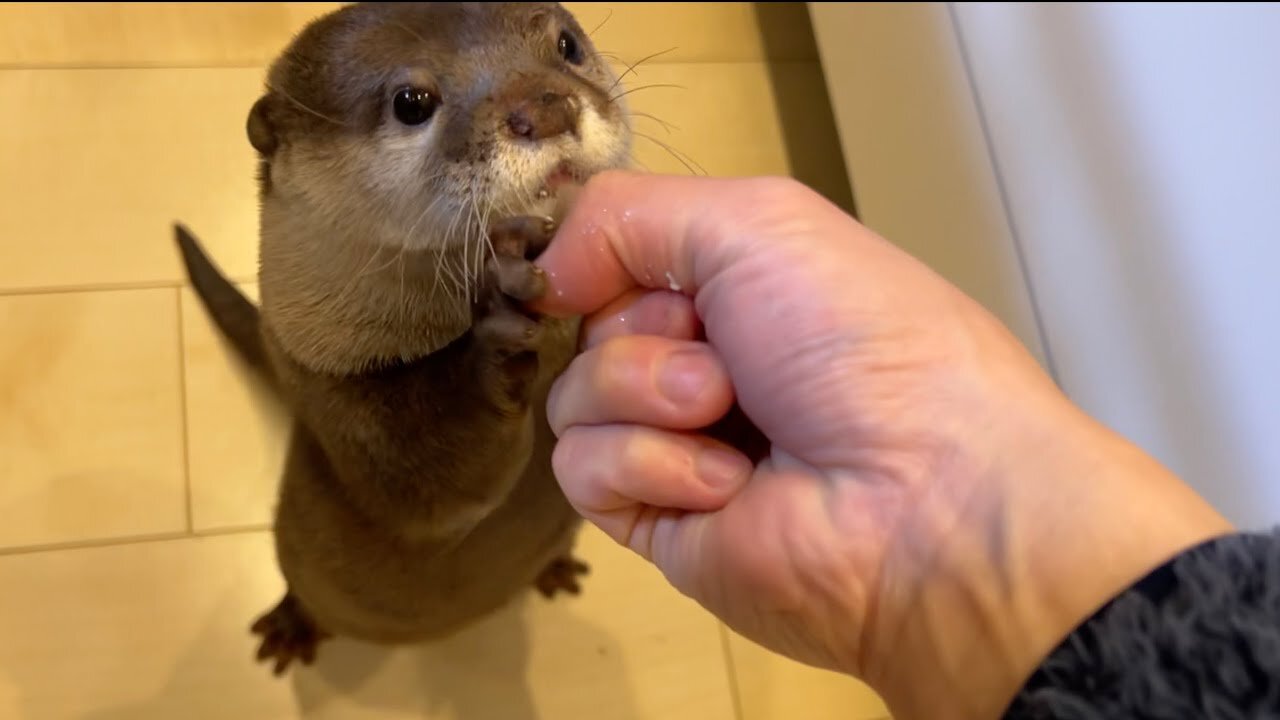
(1126, 159)
(913, 144)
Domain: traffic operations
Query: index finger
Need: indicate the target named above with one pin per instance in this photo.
(628, 230)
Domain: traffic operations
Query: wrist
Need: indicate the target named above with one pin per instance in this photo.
(1057, 516)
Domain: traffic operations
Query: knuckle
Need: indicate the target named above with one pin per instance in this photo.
(585, 465)
(634, 455)
(564, 457)
(555, 404)
(779, 191)
(784, 188)
(618, 367)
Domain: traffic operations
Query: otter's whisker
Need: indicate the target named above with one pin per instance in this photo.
(380, 269)
(601, 23)
(401, 305)
(483, 213)
(473, 275)
(436, 276)
(459, 214)
(468, 224)
(632, 67)
(300, 105)
(453, 222)
(444, 271)
(665, 125)
(350, 285)
(441, 252)
(486, 239)
(408, 236)
(458, 271)
(675, 154)
(642, 165)
(411, 31)
(638, 88)
(613, 56)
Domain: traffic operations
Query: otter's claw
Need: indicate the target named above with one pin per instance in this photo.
(287, 633)
(507, 333)
(561, 575)
(517, 278)
(524, 236)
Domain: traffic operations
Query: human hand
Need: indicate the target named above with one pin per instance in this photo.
(908, 525)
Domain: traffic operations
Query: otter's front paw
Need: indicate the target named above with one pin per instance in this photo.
(561, 575)
(507, 334)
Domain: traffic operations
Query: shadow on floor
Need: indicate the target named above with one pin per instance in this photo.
(479, 674)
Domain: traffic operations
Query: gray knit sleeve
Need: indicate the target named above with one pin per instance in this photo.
(1197, 638)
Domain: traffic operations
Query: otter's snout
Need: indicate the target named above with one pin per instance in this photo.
(547, 115)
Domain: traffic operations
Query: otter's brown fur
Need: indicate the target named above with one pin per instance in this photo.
(417, 494)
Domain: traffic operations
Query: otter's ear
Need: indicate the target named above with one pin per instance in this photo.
(262, 135)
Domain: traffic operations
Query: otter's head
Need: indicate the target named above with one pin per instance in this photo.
(405, 128)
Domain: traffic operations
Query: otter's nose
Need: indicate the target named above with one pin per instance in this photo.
(547, 115)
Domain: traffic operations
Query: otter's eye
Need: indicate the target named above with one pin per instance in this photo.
(569, 48)
(413, 106)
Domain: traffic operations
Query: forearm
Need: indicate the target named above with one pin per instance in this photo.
(1070, 516)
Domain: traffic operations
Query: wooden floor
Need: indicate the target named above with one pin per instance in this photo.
(138, 467)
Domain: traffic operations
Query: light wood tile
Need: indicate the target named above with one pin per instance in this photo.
(90, 417)
(99, 163)
(246, 34)
(237, 432)
(159, 630)
(772, 687)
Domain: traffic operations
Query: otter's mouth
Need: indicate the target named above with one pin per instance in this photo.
(566, 173)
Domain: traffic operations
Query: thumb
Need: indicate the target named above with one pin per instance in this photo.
(627, 230)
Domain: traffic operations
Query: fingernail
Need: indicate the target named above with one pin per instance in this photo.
(720, 468)
(652, 317)
(685, 375)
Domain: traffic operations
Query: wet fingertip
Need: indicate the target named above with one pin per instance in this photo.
(553, 301)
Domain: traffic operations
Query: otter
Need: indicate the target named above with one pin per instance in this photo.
(411, 158)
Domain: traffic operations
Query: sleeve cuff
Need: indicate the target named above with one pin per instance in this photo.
(1199, 637)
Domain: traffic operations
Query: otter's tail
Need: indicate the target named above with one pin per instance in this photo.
(232, 312)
